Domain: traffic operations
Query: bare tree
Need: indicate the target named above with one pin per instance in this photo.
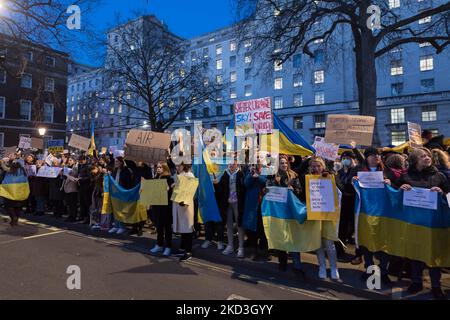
(149, 71)
(293, 26)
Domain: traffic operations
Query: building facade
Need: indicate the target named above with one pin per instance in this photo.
(33, 89)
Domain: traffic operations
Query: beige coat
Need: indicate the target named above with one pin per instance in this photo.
(183, 217)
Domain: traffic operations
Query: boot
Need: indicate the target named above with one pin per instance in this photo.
(322, 263)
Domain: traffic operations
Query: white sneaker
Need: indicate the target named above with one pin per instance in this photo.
(220, 246)
(228, 250)
(206, 244)
(334, 274)
(113, 230)
(156, 249)
(121, 231)
(241, 253)
(322, 273)
(167, 252)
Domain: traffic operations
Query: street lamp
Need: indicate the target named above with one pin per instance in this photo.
(42, 131)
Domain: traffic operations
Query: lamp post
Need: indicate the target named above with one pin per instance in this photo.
(42, 131)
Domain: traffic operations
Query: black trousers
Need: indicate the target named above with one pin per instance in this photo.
(257, 239)
(186, 241)
(163, 221)
(72, 204)
(212, 227)
(85, 194)
(58, 208)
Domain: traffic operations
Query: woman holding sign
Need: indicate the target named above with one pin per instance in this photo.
(287, 178)
(422, 174)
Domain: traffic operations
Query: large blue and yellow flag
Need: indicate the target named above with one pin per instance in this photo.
(385, 224)
(286, 228)
(123, 203)
(291, 143)
(15, 187)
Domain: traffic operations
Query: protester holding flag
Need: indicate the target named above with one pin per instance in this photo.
(423, 174)
(183, 217)
(231, 195)
(287, 178)
(163, 214)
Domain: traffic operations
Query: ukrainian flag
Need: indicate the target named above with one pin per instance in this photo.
(285, 226)
(123, 203)
(385, 224)
(15, 187)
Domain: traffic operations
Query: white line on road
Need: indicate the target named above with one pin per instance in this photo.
(32, 237)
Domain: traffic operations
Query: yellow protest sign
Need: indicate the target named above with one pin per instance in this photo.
(322, 202)
(154, 192)
(185, 189)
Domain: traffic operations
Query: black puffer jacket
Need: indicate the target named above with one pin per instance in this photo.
(427, 178)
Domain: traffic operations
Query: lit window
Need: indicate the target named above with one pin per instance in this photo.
(111, 110)
(233, 94)
(394, 4)
(319, 76)
(319, 97)
(219, 49)
(298, 100)
(219, 79)
(429, 113)
(398, 137)
(233, 76)
(277, 65)
(278, 85)
(205, 52)
(298, 82)
(247, 44)
(120, 109)
(233, 46)
(278, 102)
(219, 64)
(398, 115)
(48, 112)
(319, 121)
(248, 58)
(49, 84)
(248, 90)
(424, 44)
(426, 63)
(320, 40)
(396, 68)
(425, 20)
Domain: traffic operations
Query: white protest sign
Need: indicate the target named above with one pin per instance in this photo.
(30, 170)
(448, 199)
(25, 143)
(49, 172)
(420, 198)
(321, 195)
(277, 194)
(325, 150)
(79, 142)
(371, 180)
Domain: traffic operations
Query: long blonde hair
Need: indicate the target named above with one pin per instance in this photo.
(290, 173)
(440, 158)
(319, 160)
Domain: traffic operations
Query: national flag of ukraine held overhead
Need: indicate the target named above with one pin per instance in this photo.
(15, 187)
(123, 203)
(385, 224)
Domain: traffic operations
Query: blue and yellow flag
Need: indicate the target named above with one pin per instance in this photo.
(286, 228)
(385, 224)
(123, 203)
(15, 187)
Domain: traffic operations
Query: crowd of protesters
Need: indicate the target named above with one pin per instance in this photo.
(78, 193)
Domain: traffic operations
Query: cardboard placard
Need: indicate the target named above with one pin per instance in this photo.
(79, 142)
(6, 151)
(415, 134)
(253, 114)
(184, 190)
(25, 143)
(37, 143)
(347, 129)
(147, 146)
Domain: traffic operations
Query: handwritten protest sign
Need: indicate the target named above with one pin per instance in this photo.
(321, 198)
(30, 170)
(255, 113)
(6, 151)
(277, 194)
(37, 143)
(347, 129)
(147, 146)
(154, 192)
(325, 150)
(185, 189)
(25, 143)
(415, 134)
(79, 142)
(55, 146)
(420, 198)
(49, 172)
(371, 180)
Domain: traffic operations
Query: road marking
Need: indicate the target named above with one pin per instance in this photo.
(236, 297)
(32, 237)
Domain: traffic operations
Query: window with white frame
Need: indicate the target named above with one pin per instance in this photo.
(233, 94)
(278, 84)
(298, 100)
(219, 64)
(49, 61)
(218, 49)
(233, 45)
(297, 81)
(278, 102)
(429, 113)
(248, 58)
(48, 112)
(248, 90)
(398, 137)
(205, 52)
(396, 67)
(398, 115)
(3, 77)
(426, 63)
(319, 121)
(2, 139)
(111, 110)
(25, 110)
(26, 81)
(49, 84)
(277, 65)
(394, 4)
(319, 97)
(2, 107)
(319, 40)
(219, 79)
(233, 76)
(319, 76)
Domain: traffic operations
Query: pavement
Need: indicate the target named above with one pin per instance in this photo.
(35, 255)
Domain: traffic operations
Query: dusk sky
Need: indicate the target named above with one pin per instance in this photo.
(184, 18)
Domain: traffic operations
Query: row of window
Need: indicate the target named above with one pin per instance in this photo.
(26, 81)
(426, 85)
(426, 64)
(429, 113)
(25, 110)
(83, 85)
(49, 61)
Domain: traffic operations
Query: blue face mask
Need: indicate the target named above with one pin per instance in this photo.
(347, 162)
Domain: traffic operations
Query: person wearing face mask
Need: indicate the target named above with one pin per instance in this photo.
(347, 217)
(423, 174)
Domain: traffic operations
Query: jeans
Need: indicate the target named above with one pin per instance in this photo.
(233, 215)
(417, 268)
